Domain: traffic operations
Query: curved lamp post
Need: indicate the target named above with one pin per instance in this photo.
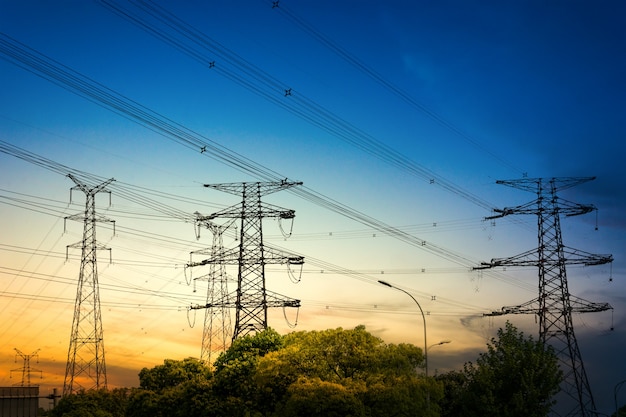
(423, 318)
(443, 342)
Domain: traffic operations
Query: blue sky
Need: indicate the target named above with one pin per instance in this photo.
(475, 93)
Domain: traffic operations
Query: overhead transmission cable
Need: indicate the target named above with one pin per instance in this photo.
(182, 299)
(351, 59)
(246, 74)
(125, 191)
(325, 267)
(57, 73)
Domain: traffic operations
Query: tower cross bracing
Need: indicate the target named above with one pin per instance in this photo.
(86, 368)
(251, 299)
(554, 305)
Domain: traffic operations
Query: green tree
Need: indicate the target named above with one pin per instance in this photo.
(381, 377)
(454, 386)
(173, 373)
(402, 396)
(337, 354)
(176, 388)
(235, 371)
(143, 403)
(517, 376)
(95, 403)
(312, 397)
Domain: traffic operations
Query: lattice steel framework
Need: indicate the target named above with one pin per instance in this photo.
(555, 304)
(216, 334)
(86, 368)
(26, 370)
(252, 298)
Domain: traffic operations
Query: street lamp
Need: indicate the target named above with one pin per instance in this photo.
(423, 318)
(443, 342)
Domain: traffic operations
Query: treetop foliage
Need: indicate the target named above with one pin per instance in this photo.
(517, 376)
(333, 372)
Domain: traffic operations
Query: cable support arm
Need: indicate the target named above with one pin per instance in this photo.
(570, 209)
(231, 257)
(79, 245)
(577, 305)
(265, 210)
(528, 208)
(528, 258)
(526, 308)
(580, 257)
(205, 221)
(272, 300)
(264, 188)
(580, 305)
(226, 257)
(86, 190)
(275, 256)
(533, 184)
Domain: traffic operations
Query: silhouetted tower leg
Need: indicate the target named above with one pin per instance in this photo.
(26, 370)
(86, 367)
(252, 298)
(554, 305)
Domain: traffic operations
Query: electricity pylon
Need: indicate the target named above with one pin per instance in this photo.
(26, 370)
(252, 299)
(217, 329)
(554, 305)
(86, 368)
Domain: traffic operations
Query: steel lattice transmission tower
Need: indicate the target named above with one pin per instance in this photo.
(216, 334)
(554, 305)
(26, 370)
(86, 367)
(252, 298)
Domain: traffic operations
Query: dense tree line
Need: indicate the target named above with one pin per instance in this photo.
(333, 372)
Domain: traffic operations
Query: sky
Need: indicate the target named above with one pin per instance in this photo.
(402, 113)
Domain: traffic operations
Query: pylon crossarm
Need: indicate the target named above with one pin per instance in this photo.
(532, 184)
(223, 257)
(232, 212)
(272, 300)
(270, 210)
(528, 208)
(569, 209)
(83, 187)
(265, 210)
(529, 307)
(276, 256)
(264, 188)
(579, 257)
(205, 252)
(580, 305)
(528, 258)
(277, 300)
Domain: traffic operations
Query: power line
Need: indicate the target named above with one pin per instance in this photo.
(71, 80)
(351, 59)
(51, 70)
(194, 43)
